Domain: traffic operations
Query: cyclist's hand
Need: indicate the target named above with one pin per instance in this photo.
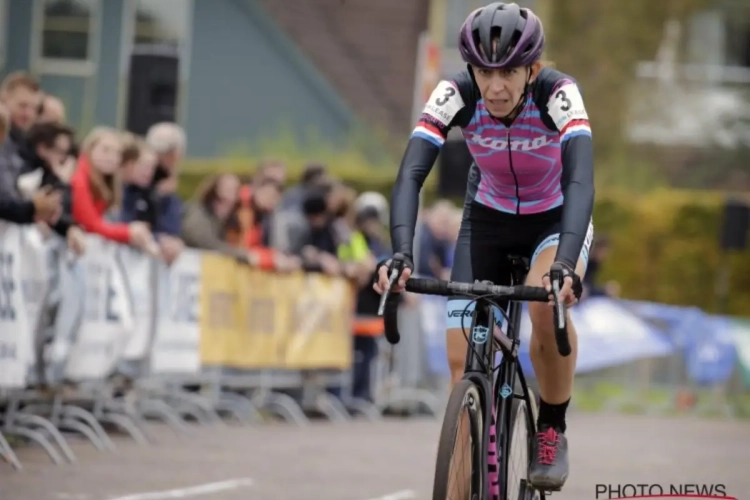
(401, 262)
(571, 288)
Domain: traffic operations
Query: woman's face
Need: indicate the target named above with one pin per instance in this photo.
(106, 154)
(502, 89)
(57, 153)
(143, 169)
(227, 194)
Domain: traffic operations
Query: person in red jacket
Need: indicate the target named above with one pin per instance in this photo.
(257, 202)
(96, 189)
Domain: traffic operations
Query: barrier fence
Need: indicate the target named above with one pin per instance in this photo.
(116, 337)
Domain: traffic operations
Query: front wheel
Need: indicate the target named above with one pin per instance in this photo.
(459, 472)
(522, 428)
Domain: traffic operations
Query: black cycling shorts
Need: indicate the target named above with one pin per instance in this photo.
(487, 237)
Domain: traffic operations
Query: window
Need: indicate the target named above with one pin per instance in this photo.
(67, 30)
(161, 22)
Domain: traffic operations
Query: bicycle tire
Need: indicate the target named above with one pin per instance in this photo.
(522, 415)
(463, 394)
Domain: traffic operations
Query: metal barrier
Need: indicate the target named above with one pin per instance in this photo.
(115, 339)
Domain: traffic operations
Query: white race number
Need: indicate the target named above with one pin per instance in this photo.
(566, 105)
(444, 102)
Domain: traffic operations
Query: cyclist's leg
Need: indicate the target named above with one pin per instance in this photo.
(477, 256)
(554, 372)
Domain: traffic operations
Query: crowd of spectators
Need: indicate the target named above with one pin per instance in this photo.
(123, 187)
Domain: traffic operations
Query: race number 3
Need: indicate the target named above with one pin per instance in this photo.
(444, 102)
(566, 105)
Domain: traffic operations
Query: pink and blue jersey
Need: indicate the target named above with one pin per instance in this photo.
(541, 161)
(520, 166)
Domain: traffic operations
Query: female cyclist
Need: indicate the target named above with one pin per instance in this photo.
(530, 191)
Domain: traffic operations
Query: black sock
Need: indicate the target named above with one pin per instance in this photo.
(552, 415)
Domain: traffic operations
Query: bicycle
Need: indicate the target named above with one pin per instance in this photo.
(482, 380)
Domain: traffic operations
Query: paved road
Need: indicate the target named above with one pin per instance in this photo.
(392, 460)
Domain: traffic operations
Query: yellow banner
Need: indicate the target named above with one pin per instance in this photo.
(220, 308)
(320, 331)
(253, 319)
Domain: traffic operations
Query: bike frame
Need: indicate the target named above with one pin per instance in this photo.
(480, 364)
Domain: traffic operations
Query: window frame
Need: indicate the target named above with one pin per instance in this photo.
(4, 32)
(65, 67)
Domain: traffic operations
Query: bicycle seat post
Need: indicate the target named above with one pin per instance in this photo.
(519, 268)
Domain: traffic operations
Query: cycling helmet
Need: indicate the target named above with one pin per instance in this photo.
(519, 34)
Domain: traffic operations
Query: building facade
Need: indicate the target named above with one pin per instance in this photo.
(238, 75)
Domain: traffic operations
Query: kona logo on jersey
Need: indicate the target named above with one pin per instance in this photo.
(501, 144)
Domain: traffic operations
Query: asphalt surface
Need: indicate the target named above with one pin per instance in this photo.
(392, 460)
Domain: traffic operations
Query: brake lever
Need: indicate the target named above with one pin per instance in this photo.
(383, 298)
(556, 279)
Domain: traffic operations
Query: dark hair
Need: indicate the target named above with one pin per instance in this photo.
(207, 192)
(367, 213)
(316, 202)
(45, 134)
(312, 173)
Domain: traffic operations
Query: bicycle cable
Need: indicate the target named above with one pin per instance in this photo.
(474, 300)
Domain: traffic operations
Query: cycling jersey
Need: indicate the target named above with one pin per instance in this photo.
(542, 161)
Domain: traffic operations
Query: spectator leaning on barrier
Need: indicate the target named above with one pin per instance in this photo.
(45, 205)
(207, 217)
(96, 189)
(167, 139)
(138, 165)
(314, 238)
(21, 94)
(357, 263)
(312, 175)
(256, 206)
(372, 221)
(364, 238)
(51, 110)
(46, 149)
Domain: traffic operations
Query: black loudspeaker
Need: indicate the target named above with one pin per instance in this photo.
(152, 86)
(454, 163)
(735, 225)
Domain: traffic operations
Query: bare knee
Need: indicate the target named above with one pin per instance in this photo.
(541, 321)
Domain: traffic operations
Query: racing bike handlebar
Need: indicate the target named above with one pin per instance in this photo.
(389, 302)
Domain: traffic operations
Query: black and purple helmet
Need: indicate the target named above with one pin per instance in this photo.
(519, 34)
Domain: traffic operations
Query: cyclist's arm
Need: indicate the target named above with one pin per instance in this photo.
(447, 107)
(569, 114)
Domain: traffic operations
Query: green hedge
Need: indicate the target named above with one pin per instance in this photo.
(664, 243)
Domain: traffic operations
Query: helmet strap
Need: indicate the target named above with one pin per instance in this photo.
(510, 117)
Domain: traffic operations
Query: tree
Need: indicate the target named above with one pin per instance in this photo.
(600, 43)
